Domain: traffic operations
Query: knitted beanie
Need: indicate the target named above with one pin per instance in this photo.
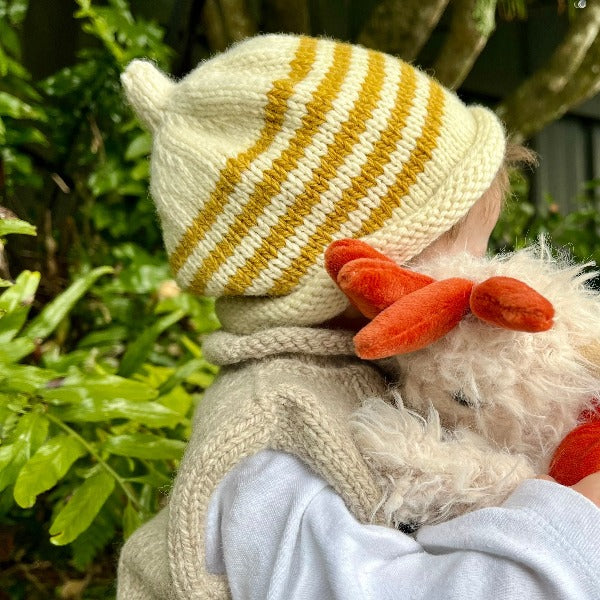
(266, 153)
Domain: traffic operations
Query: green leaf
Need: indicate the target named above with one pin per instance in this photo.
(54, 312)
(13, 351)
(76, 388)
(139, 349)
(62, 363)
(144, 445)
(81, 509)
(45, 468)
(8, 35)
(141, 171)
(32, 429)
(95, 538)
(131, 520)
(16, 226)
(8, 454)
(202, 379)
(21, 293)
(153, 478)
(24, 378)
(92, 410)
(17, 9)
(11, 323)
(177, 400)
(140, 146)
(26, 438)
(12, 407)
(11, 106)
(25, 135)
(104, 337)
(19, 166)
(180, 375)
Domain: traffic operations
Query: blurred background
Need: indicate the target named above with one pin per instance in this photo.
(100, 356)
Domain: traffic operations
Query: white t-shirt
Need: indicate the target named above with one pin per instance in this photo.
(279, 532)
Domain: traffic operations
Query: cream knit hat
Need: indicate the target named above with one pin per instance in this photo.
(268, 152)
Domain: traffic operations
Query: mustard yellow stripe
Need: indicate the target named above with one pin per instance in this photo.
(337, 152)
(350, 201)
(422, 153)
(272, 179)
(231, 173)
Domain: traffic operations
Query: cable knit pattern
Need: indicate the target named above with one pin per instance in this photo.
(222, 348)
(270, 151)
(290, 389)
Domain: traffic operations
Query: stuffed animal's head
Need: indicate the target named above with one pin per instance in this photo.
(504, 359)
(521, 390)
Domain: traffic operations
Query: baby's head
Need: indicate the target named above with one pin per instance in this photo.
(267, 153)
(472, 233)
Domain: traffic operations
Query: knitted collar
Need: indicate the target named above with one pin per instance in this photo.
(225, 348)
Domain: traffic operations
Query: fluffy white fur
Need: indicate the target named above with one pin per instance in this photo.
(483, 408)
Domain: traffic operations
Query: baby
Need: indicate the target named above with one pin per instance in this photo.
(262, 157)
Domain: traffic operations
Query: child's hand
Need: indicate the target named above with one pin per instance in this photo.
(589, 486)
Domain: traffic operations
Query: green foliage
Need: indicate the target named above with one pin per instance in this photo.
(112, 165)
(21, 108)
(576, 231)
(16, 226)
(72, 131)
(91, 429)
(97, 384)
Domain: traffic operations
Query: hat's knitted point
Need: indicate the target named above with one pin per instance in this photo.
(268, 152)
(147, 90)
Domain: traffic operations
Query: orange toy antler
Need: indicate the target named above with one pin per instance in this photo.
(415, 320)
(578, 455)
(410, 311)
(511, 304)
(370, 279)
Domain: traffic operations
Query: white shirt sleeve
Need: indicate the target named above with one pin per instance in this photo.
(279, 532)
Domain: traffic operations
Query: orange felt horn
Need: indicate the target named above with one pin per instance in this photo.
(416, 320)
(578, 455)
(511, 304)
(410, 310)
(370, 280)
(340, 252)
(372, 284)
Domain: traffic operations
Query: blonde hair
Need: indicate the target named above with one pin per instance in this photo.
(515, 156)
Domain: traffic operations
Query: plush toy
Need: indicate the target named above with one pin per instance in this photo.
(491, 363)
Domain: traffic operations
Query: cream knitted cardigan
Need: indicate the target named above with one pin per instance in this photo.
(288, 388)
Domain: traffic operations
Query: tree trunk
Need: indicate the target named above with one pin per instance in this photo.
(571, 76)
(227, 21)
(402, 27)
(287, 15)
(472, 24)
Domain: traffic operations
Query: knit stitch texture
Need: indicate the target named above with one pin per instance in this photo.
(268, 152)
(288, 399)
